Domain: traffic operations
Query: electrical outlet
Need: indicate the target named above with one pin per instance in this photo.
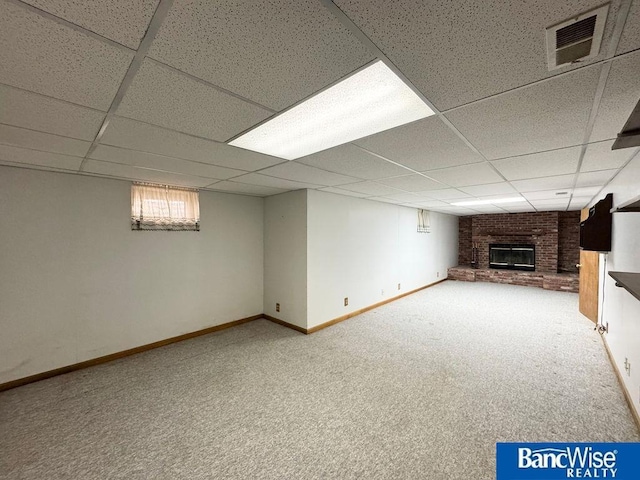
(438, 275)
(346, 301)
(277, 307)
(398, 286)
(382, 292)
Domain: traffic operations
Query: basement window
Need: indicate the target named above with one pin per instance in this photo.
(424, 223)
(161, 207)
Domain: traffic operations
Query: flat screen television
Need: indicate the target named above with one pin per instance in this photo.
(595, 230)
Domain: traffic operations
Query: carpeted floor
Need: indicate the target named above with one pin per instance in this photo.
(420, 388)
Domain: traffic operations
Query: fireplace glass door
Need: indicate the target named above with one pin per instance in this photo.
(512, 256)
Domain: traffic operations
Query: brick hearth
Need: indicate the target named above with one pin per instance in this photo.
(566, 282)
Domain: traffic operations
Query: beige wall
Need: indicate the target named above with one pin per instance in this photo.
(76, 283)
(285, 255)
(362, 249)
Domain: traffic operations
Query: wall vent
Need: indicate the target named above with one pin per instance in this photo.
(577, 39)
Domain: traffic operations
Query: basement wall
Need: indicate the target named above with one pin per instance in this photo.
(285, 257)
(76, 283)
(618, 308)
(362, 249)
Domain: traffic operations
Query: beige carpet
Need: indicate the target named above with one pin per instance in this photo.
(420, 388)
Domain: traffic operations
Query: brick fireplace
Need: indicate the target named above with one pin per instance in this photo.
(554, 235)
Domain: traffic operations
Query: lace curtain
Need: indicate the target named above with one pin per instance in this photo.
(155, 207)
(424, 223)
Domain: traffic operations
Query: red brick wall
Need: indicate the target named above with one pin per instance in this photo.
(464, 240)
(541, 229)
(568, 241)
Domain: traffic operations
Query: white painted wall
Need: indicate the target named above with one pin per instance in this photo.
(76, 283)
(362, 249)
(285, 257)
(618, 307)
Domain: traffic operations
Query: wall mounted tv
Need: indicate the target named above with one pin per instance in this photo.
(595, 231)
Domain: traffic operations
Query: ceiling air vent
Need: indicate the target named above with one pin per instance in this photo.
(577, 39)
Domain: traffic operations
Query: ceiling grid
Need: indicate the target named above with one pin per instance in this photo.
(503, 124)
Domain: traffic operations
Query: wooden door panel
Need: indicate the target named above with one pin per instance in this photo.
(589, 275)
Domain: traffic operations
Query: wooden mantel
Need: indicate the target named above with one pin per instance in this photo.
(516, 233)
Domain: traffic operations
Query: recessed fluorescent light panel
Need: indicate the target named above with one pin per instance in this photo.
(489, 202)
(367, 102)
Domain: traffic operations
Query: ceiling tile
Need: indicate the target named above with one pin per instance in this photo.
(445, 194)
(551, 208)
(547, 194)
(400, 198)
(143, 174)
(423, 145)
(33, 157)
(275, 55)
(522, 208)
(620, 96)
(579, 202)
(595, 179)
(386, 200)
(544, 164)
(459, 211)
(551, 202)
(412, 183)
(34, 167)
(484, 209)
(501, 197)
(266, 181)
(459, 51)
(37, 112)
(124, 132)
(547, 183)
(586, 191)
(630, 39)
(165, 97)
(489, 189)
(560, 207)
(549, 115)
(431, 203)
(350, 160)
(475, 174)
(340, 191)
(599, 156)
(371, 189)
(46, 57)
(46, 142)
(245, 189)
(298, 172)
(124, 21)
(162, 162)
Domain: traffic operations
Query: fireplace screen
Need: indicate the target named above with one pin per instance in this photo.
(512, 256)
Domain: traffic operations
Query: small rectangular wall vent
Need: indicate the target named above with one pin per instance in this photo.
(576, 40)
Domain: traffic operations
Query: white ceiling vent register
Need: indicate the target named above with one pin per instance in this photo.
(577, 39)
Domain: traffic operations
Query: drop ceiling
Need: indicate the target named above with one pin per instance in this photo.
(152, 90)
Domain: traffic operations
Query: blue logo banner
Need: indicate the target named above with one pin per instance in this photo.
(559, 461)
